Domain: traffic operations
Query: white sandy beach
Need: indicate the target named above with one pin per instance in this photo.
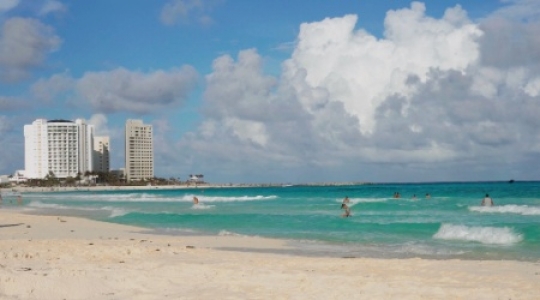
(50, 257)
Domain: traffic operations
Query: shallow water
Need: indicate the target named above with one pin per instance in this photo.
(451, 224)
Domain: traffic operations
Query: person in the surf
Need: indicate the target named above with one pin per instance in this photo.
(487, 201)
(347, 212)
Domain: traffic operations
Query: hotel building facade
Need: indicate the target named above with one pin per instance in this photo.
(102, 162)
(139, 147)
(62, 147)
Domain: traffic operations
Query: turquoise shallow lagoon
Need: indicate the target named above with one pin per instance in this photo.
(450, 224)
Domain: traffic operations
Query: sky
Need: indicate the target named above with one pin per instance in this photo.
(279, 91)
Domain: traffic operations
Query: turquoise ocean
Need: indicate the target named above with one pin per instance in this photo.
(451, 224)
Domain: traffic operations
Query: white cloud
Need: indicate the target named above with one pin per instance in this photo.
(52, 6)
(248, 131)
(361, 71)
(6, 5)
(519, 10)
(425, 102)
(187, 10)
(100, 124)
(134, 91)
(48, 89)
(486, 82)
(24, 44)
(533, 87)
(512, 35)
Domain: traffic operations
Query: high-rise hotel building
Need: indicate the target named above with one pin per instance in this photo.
(102, 154)
(62, 147)
(139, 151)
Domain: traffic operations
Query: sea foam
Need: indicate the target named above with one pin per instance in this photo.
(508, 209)
(116, 212)
(39, 204)
(202, 206)
(484, 235)
(204, 198)
(230, 233)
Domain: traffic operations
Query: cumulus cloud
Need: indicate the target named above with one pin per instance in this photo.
(361, 71)
(48, 89)
(100, 122)
(24, 44)
(187, 11)
(428, 97)
(134, 91)
(510, 44)
(255, 120)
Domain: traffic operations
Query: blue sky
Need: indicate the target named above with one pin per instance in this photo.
(285, 91)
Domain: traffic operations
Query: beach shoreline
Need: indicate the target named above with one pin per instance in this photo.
(102, 188)
(57, 257)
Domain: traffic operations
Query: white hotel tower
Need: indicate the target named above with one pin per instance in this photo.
(139, 151)
(59, 146)
(102, 150)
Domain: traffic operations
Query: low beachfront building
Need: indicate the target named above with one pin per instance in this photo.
(4, 179)
(198, 178)
(18, 177)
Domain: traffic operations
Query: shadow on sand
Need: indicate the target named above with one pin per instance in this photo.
(11, 225)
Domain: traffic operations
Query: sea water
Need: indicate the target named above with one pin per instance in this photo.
(449, 224)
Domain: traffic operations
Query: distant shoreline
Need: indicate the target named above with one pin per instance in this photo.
(102, 188)
(99, 188)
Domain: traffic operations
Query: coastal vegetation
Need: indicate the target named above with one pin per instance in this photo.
(99, 179)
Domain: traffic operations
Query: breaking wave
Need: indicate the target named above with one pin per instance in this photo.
(508, 209)
(484, 235)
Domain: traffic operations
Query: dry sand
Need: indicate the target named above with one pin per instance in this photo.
(50, 257)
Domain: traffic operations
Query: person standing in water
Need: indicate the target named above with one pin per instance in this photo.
(344, 206)
(347, 212)
(487, 201)
(195, 200)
